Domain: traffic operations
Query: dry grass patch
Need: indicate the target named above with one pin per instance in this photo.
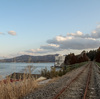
(57, 73)
(17, 90)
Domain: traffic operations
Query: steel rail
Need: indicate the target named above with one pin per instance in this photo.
(87, 83)
(97, 66)
(71, 82)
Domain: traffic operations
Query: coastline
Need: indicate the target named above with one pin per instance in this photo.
(26, 62)
(18, 76)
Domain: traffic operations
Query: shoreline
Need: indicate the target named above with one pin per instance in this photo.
(18, 76)
(26, 62)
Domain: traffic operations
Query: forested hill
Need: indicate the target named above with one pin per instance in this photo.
(28, 58)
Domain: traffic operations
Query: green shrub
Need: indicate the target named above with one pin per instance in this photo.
(53, 73)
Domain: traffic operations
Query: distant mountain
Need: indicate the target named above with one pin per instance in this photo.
(28, 58)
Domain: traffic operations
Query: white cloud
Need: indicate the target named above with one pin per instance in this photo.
(66, 43)
(12, 33)
(25, 53)
(98, 26)
(35, 50)
(72, 41)
(96, 32)
(77, 34)
(2, 33)
(63, 38)
(51, 47)
(76, 43)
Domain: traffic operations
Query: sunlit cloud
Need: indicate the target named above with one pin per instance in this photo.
(76, 43)
(1, 33)
(72, 41)
(77, 34)
(94, 34)
(12, 33)
(51, 47)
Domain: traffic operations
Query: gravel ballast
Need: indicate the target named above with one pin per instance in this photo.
(50, 90)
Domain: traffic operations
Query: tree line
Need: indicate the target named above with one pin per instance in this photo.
(93, 55)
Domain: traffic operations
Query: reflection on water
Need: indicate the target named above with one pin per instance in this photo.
(8, 68)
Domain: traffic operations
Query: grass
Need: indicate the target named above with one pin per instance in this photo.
(53, 73)
(27, 83)
(98, 64)
(17, 90)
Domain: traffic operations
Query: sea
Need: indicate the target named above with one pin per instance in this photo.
(34, 68)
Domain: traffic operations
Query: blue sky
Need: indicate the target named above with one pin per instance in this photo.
(35, 22)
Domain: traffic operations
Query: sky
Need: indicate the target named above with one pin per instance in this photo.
(40, 27)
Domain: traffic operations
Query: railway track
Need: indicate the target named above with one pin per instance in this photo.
(86, 85)
(94, 85)
(77, 88)
(88, 82)
(82, 83)
(51, 89)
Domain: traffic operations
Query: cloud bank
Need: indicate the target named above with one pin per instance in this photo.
(76, 43)
(73, 41)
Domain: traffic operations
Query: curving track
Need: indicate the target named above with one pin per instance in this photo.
(94, 85)
(81, 83)
(85, 86)
(76, 88)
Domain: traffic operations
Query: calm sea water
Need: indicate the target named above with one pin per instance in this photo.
(9, 68)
